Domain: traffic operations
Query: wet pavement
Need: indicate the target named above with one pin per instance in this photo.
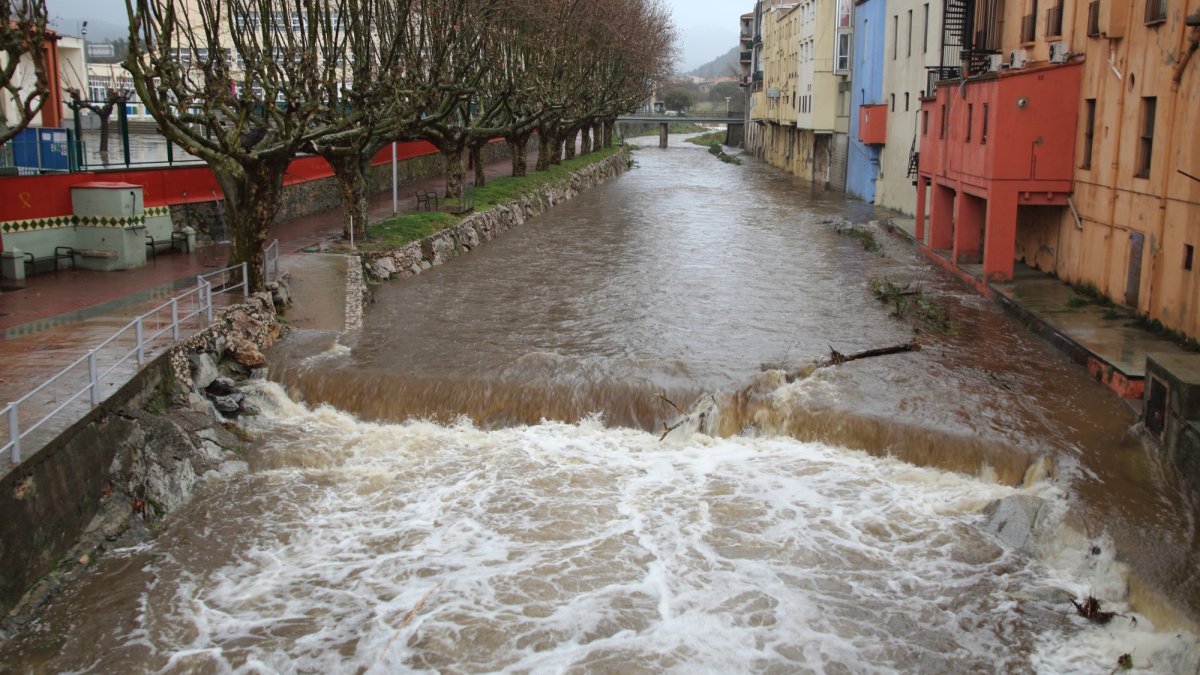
(1094, 335)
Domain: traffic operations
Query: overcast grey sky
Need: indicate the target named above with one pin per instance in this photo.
(707, 28)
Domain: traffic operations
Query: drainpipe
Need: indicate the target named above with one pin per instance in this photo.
(1114, 168)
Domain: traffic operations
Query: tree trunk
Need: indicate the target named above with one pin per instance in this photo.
(597, 136)
(585, 139)
(455, 172)
(351, 174)
(252, 196)
(556, 150)
(545, 143)
(516, 146)
(569, 143)
(480, 169)
(608, 134)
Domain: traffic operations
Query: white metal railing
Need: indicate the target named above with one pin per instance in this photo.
(271, 262)
(108, 365)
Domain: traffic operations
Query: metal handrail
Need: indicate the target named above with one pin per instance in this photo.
(202, 306)
(271, 262)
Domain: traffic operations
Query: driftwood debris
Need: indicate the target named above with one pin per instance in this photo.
(684, 416)
(837, 358)
(1090, 610)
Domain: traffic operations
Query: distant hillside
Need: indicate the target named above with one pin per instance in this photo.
(725, 65)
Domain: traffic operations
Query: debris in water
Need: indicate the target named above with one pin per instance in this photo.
(1090, 610)
(911, 304)
(1125, 662)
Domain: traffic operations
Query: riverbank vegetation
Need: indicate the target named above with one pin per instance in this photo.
(267, 80)
(910, 304)
(397, 231)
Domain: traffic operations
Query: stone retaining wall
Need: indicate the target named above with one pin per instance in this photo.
(417, 256)
(303, 199)
(138, 455)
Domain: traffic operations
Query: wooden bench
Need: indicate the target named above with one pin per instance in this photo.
(177, 241)
(427, 199)
(60, 253)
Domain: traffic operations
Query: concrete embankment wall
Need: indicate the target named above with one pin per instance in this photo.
(414, 257)
(129, 461)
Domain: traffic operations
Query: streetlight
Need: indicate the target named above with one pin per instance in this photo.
(727, 105)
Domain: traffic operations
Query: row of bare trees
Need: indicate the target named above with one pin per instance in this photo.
(247, 85)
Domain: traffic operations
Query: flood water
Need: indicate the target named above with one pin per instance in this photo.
(475, 481)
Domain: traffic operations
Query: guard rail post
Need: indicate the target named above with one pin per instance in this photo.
(93, 383)
(245, 279)
(14, 434)
(141, 353)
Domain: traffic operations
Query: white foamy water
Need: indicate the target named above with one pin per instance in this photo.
(357, 547)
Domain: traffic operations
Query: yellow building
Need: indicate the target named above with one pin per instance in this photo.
(1134, 223)
(800, 115)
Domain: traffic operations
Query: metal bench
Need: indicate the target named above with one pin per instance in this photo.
(60, 253)
(178, 241)
(427, 199)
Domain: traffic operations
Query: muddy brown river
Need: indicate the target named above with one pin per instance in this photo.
(474, 482)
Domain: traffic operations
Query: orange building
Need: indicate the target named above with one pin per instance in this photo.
(1067, 138)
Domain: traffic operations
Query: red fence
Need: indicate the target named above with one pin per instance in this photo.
(46, 196)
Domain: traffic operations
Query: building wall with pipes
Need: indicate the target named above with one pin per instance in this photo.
(1135, 223)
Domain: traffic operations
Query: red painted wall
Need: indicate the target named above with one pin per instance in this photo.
(1030, 142)
(872, 124)
(23, 197)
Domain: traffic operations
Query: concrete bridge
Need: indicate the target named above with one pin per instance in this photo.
(733, 125)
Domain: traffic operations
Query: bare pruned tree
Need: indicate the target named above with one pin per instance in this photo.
(24, 80)
(244, 85)
(103, 109)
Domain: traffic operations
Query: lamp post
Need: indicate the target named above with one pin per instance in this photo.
(727, 105)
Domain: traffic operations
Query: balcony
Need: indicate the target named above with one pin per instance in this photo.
(744, 57)
(872, 124)
(757, 76)
(1016, 126)
(989, 147)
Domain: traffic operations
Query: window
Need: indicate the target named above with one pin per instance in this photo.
(1156, 11)
(984, 130)
(1093, 25)
(945, 122)
(1189, 252)
(970, 120)
(1089, 131)
(1146, 139)
(925, 31)
(893, 103)
(895, 35)
(841, 61)
(1054, 19)
(924, 122)
(908, 45)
